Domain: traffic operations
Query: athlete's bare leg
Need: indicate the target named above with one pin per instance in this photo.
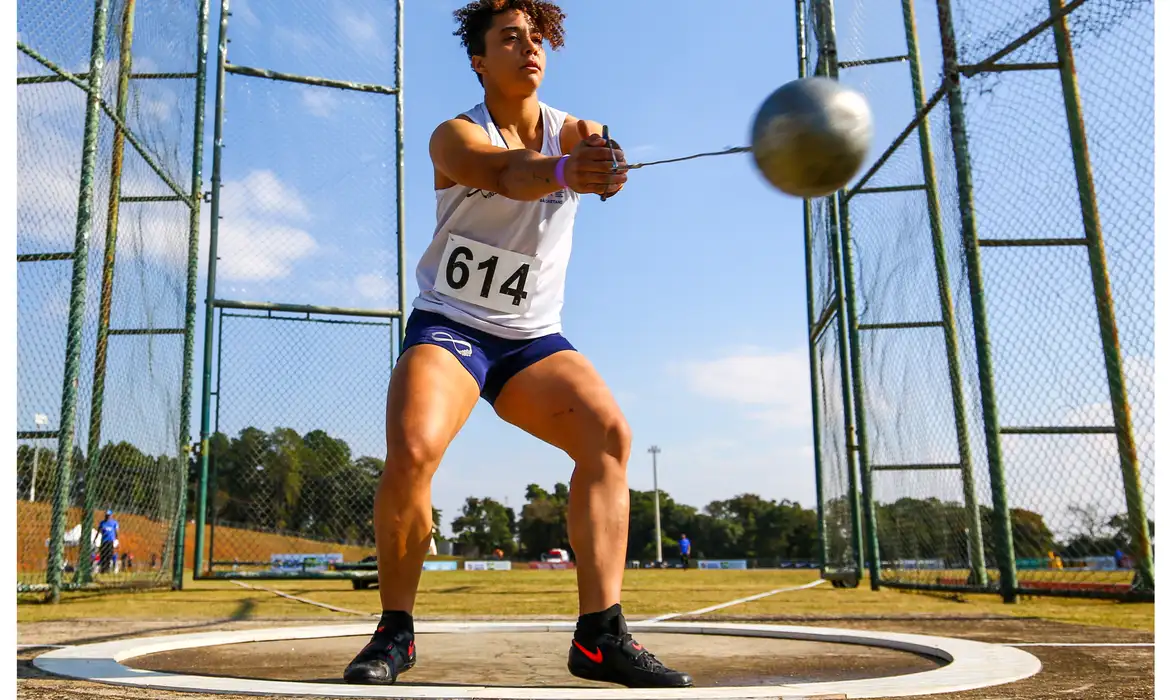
(430, 398)
(563, 401)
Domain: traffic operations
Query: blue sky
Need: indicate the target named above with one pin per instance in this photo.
(686, 291)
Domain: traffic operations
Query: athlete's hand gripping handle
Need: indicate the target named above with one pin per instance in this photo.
(596, 165)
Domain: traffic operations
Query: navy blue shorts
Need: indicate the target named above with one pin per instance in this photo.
(490, 359)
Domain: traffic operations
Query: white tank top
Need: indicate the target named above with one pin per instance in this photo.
(498, 264)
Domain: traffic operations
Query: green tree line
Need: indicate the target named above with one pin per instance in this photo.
(314, 485)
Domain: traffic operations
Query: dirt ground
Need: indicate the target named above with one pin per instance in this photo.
(1116, 673)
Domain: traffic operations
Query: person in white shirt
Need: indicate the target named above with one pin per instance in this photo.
(509, 175)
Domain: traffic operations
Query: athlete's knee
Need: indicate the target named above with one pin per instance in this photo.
(415, 454)
(609, 436)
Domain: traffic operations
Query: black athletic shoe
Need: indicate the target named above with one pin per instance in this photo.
(381, 662)
(619, 659)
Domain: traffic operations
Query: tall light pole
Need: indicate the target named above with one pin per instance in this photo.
(657, 516)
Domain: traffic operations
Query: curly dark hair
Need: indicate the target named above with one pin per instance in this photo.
(476, 18)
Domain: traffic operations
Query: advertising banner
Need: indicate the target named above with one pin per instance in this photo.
(487, 566)
(723, 564)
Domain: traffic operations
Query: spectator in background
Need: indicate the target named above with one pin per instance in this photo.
(684, 548)
(108, 531)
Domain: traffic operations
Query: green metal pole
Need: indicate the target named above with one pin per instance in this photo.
(400, 165)
(77, 303)
(1008, 582)
(97, 397)
(209, 310)
(855, 508)
(867, 501)
(828, 48)
(814, 370)
(214, 463)
(192, 285)
(1107, 322)
(946, 305)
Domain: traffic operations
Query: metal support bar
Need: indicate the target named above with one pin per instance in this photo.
(897, 143)
(210, 301)
(914, 467)
(389, 323)
(1103, 294)
(106, 300)
(970, 70)
(73, 335)
(129, 136)
(826, 318)
(148, 331)
(899, 326)
(155, 198)
(37, 434)
(1005, 549)
(1133, 596)
(191, 306)
(871, 61)
(163, 76)
(43, 257)
(882, 190)
(946, 304)
(308, 80)
(305, 309)
(400, 160)
(859, 412)
(1029, 242)
(810, 301)
(1023, 39)
(1069, 430)
(828, 67)
(64, 77)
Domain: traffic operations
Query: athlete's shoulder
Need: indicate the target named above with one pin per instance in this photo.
(571, 135)
(463, 120)
(460, 129)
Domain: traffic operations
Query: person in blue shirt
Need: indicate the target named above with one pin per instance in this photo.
(684, 547)
(108, 531)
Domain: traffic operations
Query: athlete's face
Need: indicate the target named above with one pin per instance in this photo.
(514, 57)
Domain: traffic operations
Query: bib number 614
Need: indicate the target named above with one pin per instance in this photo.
(486, 276)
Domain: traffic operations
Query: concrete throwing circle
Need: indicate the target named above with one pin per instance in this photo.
(968, 664)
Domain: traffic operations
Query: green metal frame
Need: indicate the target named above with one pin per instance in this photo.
(192, 286)
(95, 106)
(835, 311)
(844, 309)
(97, 398)
(77, 302)
(1110, 343)
(307, 318)
(1010, 587)
(920, 124)
(810, 299)
(203, 561)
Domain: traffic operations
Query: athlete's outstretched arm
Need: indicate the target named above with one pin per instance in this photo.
(462, 151)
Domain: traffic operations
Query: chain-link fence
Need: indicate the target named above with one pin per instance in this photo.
(300, 480)
(998, 264)
(304, 287)
(838, 496)
(108, 111)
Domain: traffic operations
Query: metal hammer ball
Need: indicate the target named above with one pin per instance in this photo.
(811, 136)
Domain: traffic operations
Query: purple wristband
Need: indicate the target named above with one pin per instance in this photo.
(561, 172)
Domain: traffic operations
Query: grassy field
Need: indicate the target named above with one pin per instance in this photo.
(553, 593)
